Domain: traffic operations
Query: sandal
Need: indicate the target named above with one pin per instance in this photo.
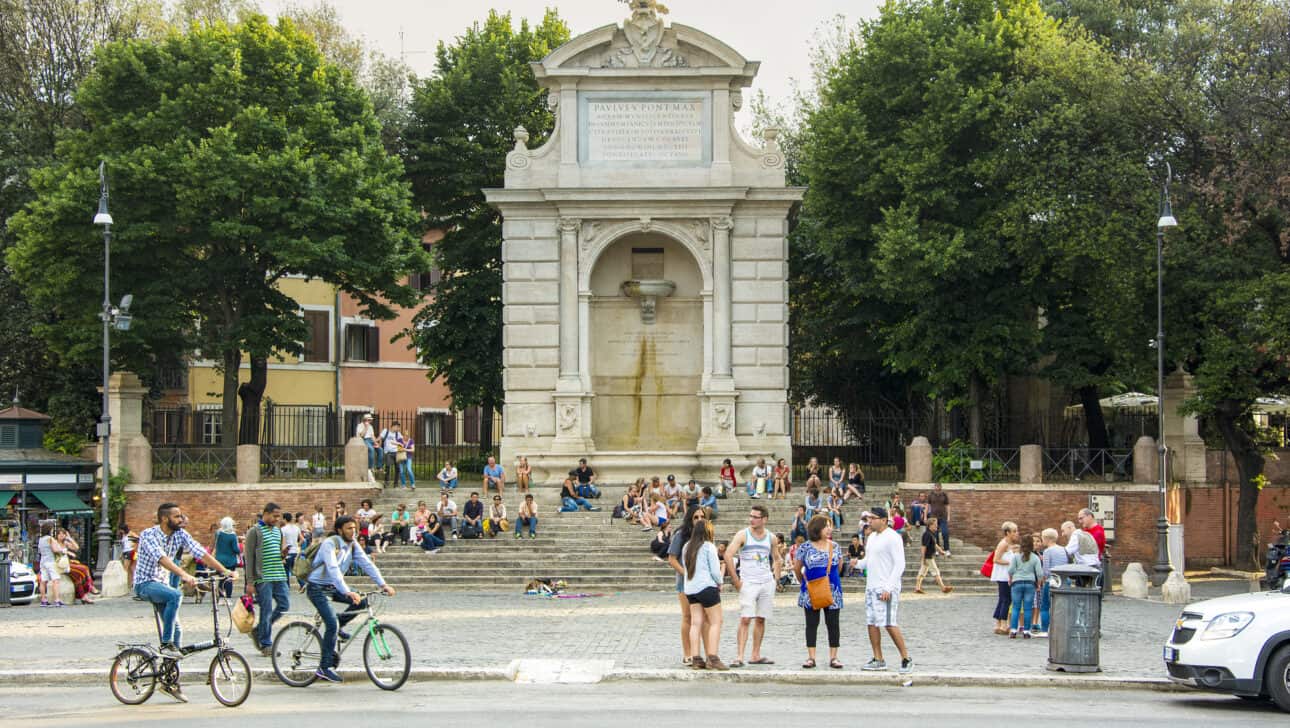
(737, 663)
(808, 664)
(761, 661)
(835, 663)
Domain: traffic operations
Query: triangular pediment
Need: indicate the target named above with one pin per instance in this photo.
(647, 45)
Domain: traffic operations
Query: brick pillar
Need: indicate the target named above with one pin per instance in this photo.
(248, 463)
(918, 461)
(1032, 464)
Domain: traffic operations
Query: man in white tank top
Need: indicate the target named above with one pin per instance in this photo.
(758, 573)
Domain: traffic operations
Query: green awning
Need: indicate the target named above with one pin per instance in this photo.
(61, 501)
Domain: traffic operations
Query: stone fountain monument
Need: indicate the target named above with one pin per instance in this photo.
(645, 263)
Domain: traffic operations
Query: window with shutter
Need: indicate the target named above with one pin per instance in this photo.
(471, 433)
(317, 348)
(9, 436)
(373, 343)
(356, 343)
(448, 428)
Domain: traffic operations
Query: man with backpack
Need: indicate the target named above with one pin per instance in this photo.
(390, 442)
(325, 566)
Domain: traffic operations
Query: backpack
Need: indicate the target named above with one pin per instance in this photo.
(304, 565)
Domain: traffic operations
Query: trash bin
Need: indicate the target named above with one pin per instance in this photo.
(4, 577)
(1076, 623)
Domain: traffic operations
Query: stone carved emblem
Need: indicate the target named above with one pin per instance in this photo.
(644, 32)
(722, 415)
(568, 416)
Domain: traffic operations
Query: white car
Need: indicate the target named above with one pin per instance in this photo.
(22, 584)
(1238, 644)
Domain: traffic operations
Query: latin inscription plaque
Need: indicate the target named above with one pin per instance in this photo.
(668, 129)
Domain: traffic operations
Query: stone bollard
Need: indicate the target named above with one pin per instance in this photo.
(355, 461)
(66, 589)
(1032, 464)
(1176, 590)
(113, 582)
(1134, 582)
(918, 461)
(248, 463)
(1145, 460)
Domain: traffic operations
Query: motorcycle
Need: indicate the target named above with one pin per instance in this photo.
(1276, 566)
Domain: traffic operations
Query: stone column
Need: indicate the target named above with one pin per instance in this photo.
(129, 448)
(1146, 464)
(723, 316)
(569, 380)
(248, 463)
(1182, 432)
(355, 461)
(918, 461)
(1032, 464)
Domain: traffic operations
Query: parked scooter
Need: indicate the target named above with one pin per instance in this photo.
(1276, 567)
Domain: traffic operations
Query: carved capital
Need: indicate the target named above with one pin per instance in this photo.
(723, 224)
(569, 224)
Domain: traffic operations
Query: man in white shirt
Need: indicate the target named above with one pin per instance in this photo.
(367, 434)
(1080, 545)
(290, 540)
(447, 510)
(884, 563)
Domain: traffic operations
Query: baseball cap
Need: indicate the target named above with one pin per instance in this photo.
(879, 512)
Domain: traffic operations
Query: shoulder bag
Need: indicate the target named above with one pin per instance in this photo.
(819, 589)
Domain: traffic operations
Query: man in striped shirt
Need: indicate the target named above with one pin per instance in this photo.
(266, 573)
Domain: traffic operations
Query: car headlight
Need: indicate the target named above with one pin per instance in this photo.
(1227, 625)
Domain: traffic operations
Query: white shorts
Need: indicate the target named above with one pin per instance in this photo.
(929, 567)
(49, 572)
(878, 613)
(756, 600)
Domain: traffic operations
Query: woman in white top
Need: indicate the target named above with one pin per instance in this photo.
(50, 549)
(448, 476)
(364, 515)
(1003, 553)
(702, 587)
(760, 477)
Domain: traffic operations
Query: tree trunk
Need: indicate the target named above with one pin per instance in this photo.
(1095, 423)
(1249, 465)
(228, 418)
(975, 389)
(251, 394)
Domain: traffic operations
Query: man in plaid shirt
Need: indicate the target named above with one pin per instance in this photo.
(158, 549)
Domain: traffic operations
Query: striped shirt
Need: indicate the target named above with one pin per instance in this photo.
(271, 566)
(153, 544)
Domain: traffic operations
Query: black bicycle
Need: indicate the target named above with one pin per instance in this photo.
(138, 667)
(297, 650)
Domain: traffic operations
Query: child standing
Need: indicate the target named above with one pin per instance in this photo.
(930, 549)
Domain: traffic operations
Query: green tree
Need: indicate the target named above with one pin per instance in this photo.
(463, 117)
(238, 156)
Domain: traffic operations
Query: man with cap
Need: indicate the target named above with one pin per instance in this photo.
(884, 565)
(367, 434)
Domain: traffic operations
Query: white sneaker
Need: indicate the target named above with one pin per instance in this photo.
(755, 496)
(370, 477)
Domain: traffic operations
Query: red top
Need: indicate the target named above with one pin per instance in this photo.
(728, 472)
(1099, 534)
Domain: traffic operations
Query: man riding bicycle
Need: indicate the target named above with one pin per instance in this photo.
(158, 548)
(326, 584)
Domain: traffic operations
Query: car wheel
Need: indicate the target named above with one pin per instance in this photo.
(1276, 678)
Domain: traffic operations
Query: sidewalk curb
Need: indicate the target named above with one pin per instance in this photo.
(94, 676)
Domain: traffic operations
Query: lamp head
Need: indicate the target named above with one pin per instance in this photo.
(1167, 219)
(102, 217)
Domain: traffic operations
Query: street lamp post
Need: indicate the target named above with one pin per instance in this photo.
(105, 422)
(1162, 567)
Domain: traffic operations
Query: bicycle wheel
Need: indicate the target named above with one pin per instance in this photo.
(230, 678)
(297, 652)
(132, 677)
(386, 657)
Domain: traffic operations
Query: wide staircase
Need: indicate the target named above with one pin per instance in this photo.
(596, 554)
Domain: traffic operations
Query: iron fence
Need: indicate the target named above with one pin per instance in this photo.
(193, 462)
(1081, 463)
(302, 462)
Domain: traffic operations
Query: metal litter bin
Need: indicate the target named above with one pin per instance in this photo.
(1076, 624)
(4, 577)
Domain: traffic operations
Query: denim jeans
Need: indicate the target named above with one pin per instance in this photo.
(430, 542)
(405, 473)
(569, 505)
(1045, 608)
(530, 522)
(943, 531)
(450, 484)
(371, 453)
(322, 597)
(277, 592)
(1023, 599)
(169, 599)
(588, 490)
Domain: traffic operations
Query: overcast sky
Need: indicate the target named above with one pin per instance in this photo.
(777, 33)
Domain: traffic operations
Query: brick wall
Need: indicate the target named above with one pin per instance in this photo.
(1209, 516)
(978, 510)
(206, 503)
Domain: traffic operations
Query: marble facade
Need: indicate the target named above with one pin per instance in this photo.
(645, 263)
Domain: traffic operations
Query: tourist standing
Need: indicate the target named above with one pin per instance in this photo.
(820, 558)
(759, 570)
(884, 563)
(318, 521)
(391, 440)
(1052, 556)
(928, 565)
(675, 544)
(448, 476)
(228, 550)
(266, 574)
(702, 587)
(1001, 559)
(494, 476)
(1025, 571)
(290, 540)
(938, 507)
(1081, 546)
(50, 549)
(367, 434)
(406, 476)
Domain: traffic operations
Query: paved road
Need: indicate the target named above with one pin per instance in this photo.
(657, 704)
(636, 631)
